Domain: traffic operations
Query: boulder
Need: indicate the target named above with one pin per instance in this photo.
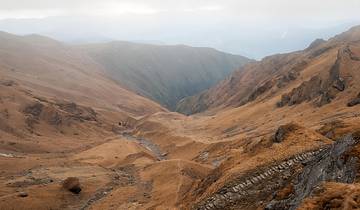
(23, 194)
(72, 184)
(282, 132)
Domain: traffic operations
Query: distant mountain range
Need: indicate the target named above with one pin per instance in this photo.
(247, 40)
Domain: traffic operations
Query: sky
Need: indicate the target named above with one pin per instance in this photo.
(254, 28)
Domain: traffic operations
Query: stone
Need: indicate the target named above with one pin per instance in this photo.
(23, 194)
(72, 184)
(282, 131)
(339, 84)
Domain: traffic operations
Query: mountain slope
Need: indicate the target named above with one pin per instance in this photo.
(54, 69)
(283, 129)
(315, 74)
(283, 134)
(165, 74)
(49, 91)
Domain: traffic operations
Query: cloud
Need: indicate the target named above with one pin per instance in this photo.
(319, 9)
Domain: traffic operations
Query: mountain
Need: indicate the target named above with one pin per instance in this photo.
(281, 133)
(165, 74)
(45, 65)
(317, 74)
(50, 92)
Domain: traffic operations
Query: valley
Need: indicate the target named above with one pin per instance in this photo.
(280, 133)
(165, 74)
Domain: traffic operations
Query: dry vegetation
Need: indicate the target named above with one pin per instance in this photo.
(61, 117)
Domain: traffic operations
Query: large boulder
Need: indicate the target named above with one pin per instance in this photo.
(72, 184)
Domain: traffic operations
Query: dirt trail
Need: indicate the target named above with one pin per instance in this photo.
(147, 144)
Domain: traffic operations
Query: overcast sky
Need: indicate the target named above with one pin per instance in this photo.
(253, 27)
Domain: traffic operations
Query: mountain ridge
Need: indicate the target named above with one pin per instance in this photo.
(246, 85)
(164, 73)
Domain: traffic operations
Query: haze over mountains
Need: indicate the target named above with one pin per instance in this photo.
(195, 30)
(165, 74)
(92, 126)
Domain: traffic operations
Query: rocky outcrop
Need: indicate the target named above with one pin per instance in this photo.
(305, 92)
(292, 180)
(32, 113)
(78, 113)
(260, 90)
(280, 81)
(34, 109)
(234, 193)
(57, 114)
(283, 80)
(331, 165)
(320, 88)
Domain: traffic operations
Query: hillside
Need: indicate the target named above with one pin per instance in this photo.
(49, 90)
(281, 133)
(53, 69)
(278, 130)
(165, 74)
(315, 74)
